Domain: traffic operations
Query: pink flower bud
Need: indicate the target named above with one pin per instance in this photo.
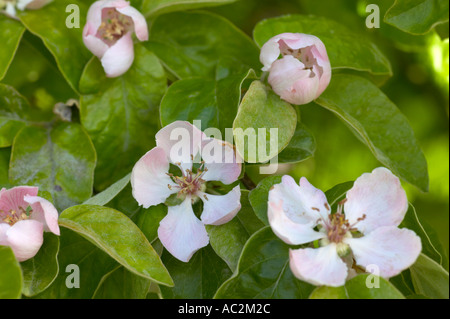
(302, 73)
(107, 34)
(24, 217)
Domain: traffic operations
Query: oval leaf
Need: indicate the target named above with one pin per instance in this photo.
(10, 37)
(10, 275)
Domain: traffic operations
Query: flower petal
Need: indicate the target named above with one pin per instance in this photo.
(44, 212)
(4, 227)
(290, 232)
(181, 232)
(220, 209)
(119, 57)
(149, 179)
(25, 238)
(391, 249)
(94, 44)
(380, 197)
(140, 24)
(181, 141)
(321, 266)
(13, 199)
(221, 160)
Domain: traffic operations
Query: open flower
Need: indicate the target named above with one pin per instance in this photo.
(24, 217)
(181, 232)
(304, 70)
(368, 233)
(9, 6)
(108, 34)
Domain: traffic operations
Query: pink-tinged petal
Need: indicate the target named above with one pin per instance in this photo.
(94, 16)
(149, 179)
(37, 4)
(43, 211)
(181, 141)
(320, 267)
(380, 197)
(221, 161)
(391, 249)
(303, 204)
(94, 44)
(13, 199)
(220, 209)
(290, 232)
(181, 232)
(323, 69)
(119, 57)
(270, 52)
(25, 238)
(292, 82)
(4, 227)
(140, 24)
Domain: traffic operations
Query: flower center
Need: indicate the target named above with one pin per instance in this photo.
(190, 184)
(114, 25)
(14, 216)
(305, 56)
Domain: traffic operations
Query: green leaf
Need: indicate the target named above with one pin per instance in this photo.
(417, 16)
(259, 197)
(53, 158)
(338, 193)
(345, 48)
(148, 220)
(119, 237)
(91, 261)
(263, 272)
(430, 241)
(108, 194)
(122, 284)
(205, 40)
(260, 112)
(10, 37)
(15, 113)
(429, 278)
(65, 44)
(10, 274)
(5, 154)
(155, 7)
(120, 116)
(198, 279)
(356, 288)
(229, 239)
(378, 123)
(41, 270)
(301, 147)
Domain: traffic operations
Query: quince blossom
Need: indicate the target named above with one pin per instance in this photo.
(9, 6)
(181, 232)
(367, 234)
(24, 217)
(108, 34)
(304, 70)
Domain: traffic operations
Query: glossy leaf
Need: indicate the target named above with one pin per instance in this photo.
(260, 112)
(205, 40)
(122, 284)
(53, 158)
(198, 279)
(10, 275)
(417, 16)
(229, 239)
(263, 272)
(148, 220)
(259, 196)
(41, 270)
(108, 194)
(10, 37)
(345, 48)
(119, 237)
(429, 278)
(120, 114)
(301, 147)
(65, 44)
(356, 288)
(156, 7)
(338, 193)
(378, 123)
(5, 154)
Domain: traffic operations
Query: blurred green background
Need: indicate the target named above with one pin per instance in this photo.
(419, 87)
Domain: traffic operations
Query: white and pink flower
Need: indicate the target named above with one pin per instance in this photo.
(24, 217)
(302, 73)
(181, 232)
(368, 232)
(108, 34)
